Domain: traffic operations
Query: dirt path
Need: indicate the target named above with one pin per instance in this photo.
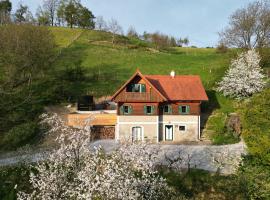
(207, 157)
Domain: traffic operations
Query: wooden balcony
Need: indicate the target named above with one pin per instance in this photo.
(136, 96)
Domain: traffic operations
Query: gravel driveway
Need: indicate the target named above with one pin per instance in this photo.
(207, 157)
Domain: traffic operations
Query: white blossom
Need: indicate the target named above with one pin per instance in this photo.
(75, 172)
(244, 77)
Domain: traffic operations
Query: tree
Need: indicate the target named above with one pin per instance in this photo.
(132, 32)
(25, 57)
(173, 42)
(43, 17)
(75, 172)
(115, 28)
(50, 7)
(85, 18)
(222, 48)
(61, 12)
(23, 14)
(248, 27)
(100, 24)
(160, 41)
(5, 9)
(71, 12)
(183, 41)
(244, 76)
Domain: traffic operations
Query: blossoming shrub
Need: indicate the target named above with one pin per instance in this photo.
(244, 76)
(76, 172)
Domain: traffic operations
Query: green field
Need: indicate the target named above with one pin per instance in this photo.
(114, 64)
(105, 67)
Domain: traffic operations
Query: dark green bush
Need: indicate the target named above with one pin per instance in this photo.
(255, 172)
(20, 135)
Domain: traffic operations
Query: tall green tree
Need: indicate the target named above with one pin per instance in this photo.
(23, 14)
(85, 18)
(5, 9)
(71, 13)
(24, 60)
(60, 13)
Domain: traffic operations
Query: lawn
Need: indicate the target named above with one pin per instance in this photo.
(64, 36)
(105, 67)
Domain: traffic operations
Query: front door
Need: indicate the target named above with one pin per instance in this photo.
(169, 132)
(136, 133)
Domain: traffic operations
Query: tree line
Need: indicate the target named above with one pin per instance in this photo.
(73, 14)
(51, 13)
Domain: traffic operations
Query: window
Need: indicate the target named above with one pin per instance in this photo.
(149, 110)
(184, 109)
(136, 88)
(126, 110)
(167, 109)
(182, 128)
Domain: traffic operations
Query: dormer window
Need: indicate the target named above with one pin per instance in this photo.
(136, 88)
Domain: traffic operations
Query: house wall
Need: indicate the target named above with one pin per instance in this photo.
(138, 108)
(154, 127)
(149, 125)
(191, 122)
(195, 108)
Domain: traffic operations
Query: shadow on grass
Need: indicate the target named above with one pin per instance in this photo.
(209, 106)
(200, 184)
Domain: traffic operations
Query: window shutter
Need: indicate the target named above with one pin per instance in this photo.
(143, 88)
(170, 109)
(145, 109)
(130, 109)
(188, 109)
(179, 109)
(152, 109)
(121, 110)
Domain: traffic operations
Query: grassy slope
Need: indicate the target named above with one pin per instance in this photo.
(108, 66)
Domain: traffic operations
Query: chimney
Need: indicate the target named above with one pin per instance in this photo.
(172, 73)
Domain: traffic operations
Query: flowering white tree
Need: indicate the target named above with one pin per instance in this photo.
(75, 172)
(244, 76)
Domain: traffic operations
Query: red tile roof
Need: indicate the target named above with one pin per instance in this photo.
(181, 87)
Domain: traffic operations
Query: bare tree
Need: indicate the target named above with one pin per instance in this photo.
(100, 24)
(248, 27)
(115, 28)
(132, 32)
(51, 6)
